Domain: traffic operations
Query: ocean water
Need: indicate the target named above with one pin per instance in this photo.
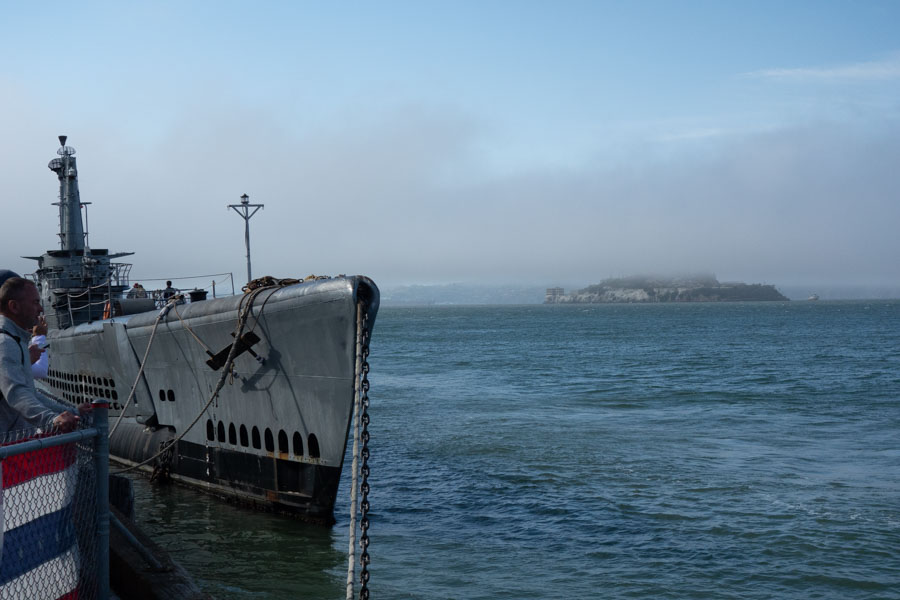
(747, 450)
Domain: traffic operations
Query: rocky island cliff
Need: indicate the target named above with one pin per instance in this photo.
(704, 288)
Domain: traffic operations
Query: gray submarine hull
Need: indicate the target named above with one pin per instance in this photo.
(276, 434)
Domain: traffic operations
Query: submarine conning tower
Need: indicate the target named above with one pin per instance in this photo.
(71, 228)
(75, 282)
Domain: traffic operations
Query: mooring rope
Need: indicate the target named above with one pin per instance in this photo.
(243, 315)
(191, 331)
(159, 317)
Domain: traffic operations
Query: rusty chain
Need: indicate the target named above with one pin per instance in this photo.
(364, 558)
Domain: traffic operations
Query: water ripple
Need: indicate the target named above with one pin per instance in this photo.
(695, 451)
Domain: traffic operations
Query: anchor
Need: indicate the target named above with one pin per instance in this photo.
(217, 360)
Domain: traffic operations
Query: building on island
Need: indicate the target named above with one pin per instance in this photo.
(554, 294)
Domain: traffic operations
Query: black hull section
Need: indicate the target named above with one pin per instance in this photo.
(299, 489)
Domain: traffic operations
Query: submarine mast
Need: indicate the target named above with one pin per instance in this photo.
(71, 228)
(75, 282)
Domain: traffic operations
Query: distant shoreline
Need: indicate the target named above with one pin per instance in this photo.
(505, 294)
(644, 289)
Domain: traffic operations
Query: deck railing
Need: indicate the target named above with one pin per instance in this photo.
(55, 512)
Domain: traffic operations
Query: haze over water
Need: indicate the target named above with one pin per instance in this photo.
(513, 142)
(619, 451)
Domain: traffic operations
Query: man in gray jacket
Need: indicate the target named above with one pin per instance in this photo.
(20, 408)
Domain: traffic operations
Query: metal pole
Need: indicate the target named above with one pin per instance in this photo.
(48, 442)
(101, 461)
(86, 232)
(247, 242)
(243, 209)
(63, 240)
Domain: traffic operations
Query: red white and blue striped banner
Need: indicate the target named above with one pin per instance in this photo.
(39, 550)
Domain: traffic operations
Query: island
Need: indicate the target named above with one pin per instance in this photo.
(645, 289)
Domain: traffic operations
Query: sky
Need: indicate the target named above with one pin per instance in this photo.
(541, 143)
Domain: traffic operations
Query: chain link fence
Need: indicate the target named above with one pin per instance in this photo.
(55, 537)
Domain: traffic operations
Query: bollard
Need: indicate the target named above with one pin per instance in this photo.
(101, 462)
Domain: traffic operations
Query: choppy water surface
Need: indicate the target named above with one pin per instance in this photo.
(612, 451)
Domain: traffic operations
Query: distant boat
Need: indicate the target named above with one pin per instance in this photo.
(813, 298)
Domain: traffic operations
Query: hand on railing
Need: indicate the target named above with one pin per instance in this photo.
(65, 422)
